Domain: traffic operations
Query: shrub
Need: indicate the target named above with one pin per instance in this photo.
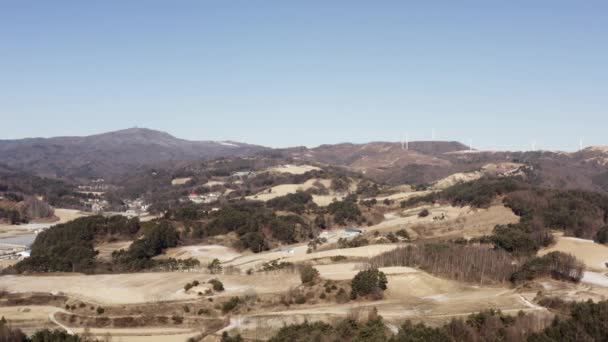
(308, 274)
(300, 299)
(602, 235)
(275, 265)
(342, 296)
(368, 282)
(254, 241)
(231, 304)
(100, 310)
(187, 287)
(217, 285)
(392, 238)
(291, 202)
(344, 211)
(424, 213)
(336, 258)
(352, 243)
(215, 266)
(402, 233)
(228, 338)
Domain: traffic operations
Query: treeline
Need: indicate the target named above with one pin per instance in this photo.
(9, 334)
(577, 213)
(11, 216)
(69, 247)
(255, 223)
(22, 209)
(345, 211)
(55, 192)
(478, 264)
(586, 321)
(296, 203)
(479, 193)
(601, 180)
(258, 226)
(560, 266)
(140, 253)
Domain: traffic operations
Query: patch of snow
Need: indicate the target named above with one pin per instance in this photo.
(595, 278)
(225, 143)
(578, 239)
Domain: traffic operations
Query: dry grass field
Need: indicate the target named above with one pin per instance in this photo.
(180, 181)
(446, 221)
(135, 288)
(412, 293)
(294, 169)
(595, 256)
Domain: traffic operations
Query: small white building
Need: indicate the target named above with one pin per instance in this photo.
(24, 254)
(351, 232)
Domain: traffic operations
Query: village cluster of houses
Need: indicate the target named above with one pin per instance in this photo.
(136, 207)
(9, 252)
(204, 198)
(97, 205)
(96, 185)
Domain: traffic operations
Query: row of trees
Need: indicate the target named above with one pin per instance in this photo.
(9, 334)
(26, 209)
(582, 322)
(478, 264)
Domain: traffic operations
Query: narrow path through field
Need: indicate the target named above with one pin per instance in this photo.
(55, 321)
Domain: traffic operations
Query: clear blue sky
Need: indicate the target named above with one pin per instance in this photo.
(284, 73)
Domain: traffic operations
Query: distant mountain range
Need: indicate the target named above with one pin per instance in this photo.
(109, 154)
(427, 161)
(113, 154)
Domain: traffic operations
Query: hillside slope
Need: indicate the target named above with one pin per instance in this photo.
(108, 154)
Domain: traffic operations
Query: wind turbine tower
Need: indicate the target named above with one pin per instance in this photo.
(580, 144)
(405, 142)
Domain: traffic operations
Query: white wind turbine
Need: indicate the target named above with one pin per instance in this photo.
(405, 142)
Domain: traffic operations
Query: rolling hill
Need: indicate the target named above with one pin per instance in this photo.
(109, 154)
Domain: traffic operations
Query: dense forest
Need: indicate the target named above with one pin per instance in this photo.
(575, 212)
(55, 192)
(69, 247)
